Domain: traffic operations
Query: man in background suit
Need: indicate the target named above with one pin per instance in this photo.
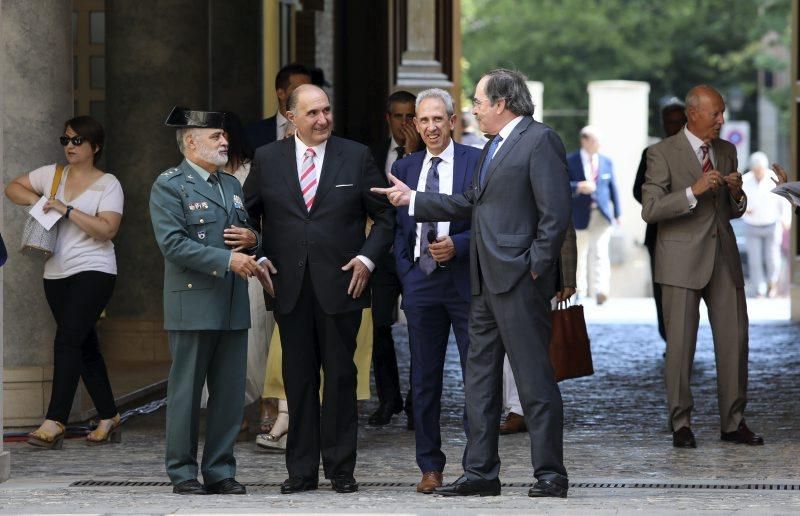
(275, 127)
(404, 140)
(595, 211)
(194, 208)
(673, 118)
(313, 191)
(692, 191)
(513, 275)
(433, 264)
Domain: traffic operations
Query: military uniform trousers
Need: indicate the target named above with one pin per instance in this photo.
(220, 358)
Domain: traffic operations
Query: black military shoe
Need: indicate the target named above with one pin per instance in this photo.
(226, 486)
(344, 483)
(189, 487)
(464, 487)
(298, 484)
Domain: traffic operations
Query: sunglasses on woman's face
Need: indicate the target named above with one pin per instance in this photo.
(76, 140)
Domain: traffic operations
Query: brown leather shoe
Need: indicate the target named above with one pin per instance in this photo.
(430, 481)
(513, 424)
(742, 435)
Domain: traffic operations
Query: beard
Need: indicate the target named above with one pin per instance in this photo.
(217, 157)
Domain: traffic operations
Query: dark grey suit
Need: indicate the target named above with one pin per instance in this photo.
(519, 219)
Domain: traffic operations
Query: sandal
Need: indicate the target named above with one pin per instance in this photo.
(102, 436)
(43, 439)
(271, 441)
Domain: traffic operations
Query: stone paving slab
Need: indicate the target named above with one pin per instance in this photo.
(615, 431)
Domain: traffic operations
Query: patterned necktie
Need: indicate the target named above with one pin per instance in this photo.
(401, 151)
(707, 165)
(308, 178)
(488, 158)
(426, 261)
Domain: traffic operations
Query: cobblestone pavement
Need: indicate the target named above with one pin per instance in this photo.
(615, 432)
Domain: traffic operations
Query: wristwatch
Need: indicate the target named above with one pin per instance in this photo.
(66, 213)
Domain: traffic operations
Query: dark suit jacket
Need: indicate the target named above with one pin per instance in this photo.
(408, 170)
(331, 234)
(605, 196)
(261, 133)
(651, 232)
(385, 270)
(519, 217)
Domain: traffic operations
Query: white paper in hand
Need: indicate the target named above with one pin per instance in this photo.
(45, 219)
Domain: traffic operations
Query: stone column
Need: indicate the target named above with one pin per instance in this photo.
(419, 67)
(35, 99)
(618, 109)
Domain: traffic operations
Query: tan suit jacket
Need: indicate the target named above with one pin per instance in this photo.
(687, 245)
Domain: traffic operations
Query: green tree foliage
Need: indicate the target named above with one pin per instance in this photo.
(671, 45)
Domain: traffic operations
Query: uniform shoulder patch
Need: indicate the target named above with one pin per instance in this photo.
(169, 174)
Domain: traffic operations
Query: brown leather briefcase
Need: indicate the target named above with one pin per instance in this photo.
(570, 352)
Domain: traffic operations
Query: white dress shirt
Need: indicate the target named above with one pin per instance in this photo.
(281, 124)
(445, 169)
(504, 132)
(391, 156)
(764, 208)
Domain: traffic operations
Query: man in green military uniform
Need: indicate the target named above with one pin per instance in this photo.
(195, 208)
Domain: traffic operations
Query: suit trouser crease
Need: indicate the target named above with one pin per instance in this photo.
(76, 303)
(517, 323)
(312, 339)
(727, 312)
(220, 358)
(428, 333)
(594, 264)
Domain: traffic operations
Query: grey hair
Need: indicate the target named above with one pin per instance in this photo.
(694, 95)
(437, 93)
(509, 85)
(180, 135)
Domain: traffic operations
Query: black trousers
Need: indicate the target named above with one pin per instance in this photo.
(76, 303)
(385, 291)
(312, 339)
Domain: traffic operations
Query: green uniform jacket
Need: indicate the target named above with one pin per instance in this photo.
(188, 219)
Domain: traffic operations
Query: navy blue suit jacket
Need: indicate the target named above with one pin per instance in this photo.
(408, 171)
(605, 196)
(261, 132)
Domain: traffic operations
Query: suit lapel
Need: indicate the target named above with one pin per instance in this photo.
(204, 188)
(460, 172)
(505, 149)
(331, 165)
(685, 151)
(415, 170)
(289, 172)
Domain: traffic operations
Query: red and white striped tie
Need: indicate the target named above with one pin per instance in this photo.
(707, 166)
(308, 178)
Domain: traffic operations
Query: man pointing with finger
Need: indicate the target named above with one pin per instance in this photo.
(692, 191)
(313, 190)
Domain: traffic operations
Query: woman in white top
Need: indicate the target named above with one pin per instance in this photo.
(79, 276)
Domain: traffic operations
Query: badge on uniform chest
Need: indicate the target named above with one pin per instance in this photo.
(198, 206)
(237, 202)
(201, 235)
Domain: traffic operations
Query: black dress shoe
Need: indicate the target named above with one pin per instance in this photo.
(742, 435)
(544, 488)
(298, 484)
(463, 487)
(344, 483)
(226, 486)
(189, 487)
(383, 415)
(683, 438)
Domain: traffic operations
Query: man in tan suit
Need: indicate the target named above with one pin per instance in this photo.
(692, 190)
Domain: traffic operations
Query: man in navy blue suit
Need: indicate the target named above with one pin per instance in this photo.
(595, 211)
(433, 266)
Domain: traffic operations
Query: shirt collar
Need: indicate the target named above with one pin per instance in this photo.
(393, 144)
(300, 148)
(586, 157)
(506, 130)
(446, 155)
(197, 168)
(694, 141)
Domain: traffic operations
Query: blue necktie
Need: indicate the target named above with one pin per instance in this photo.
(488, 158)
(426, 261)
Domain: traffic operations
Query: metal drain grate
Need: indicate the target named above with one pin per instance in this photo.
(573, 485)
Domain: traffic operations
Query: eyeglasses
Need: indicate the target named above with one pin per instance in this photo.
(76, 140)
